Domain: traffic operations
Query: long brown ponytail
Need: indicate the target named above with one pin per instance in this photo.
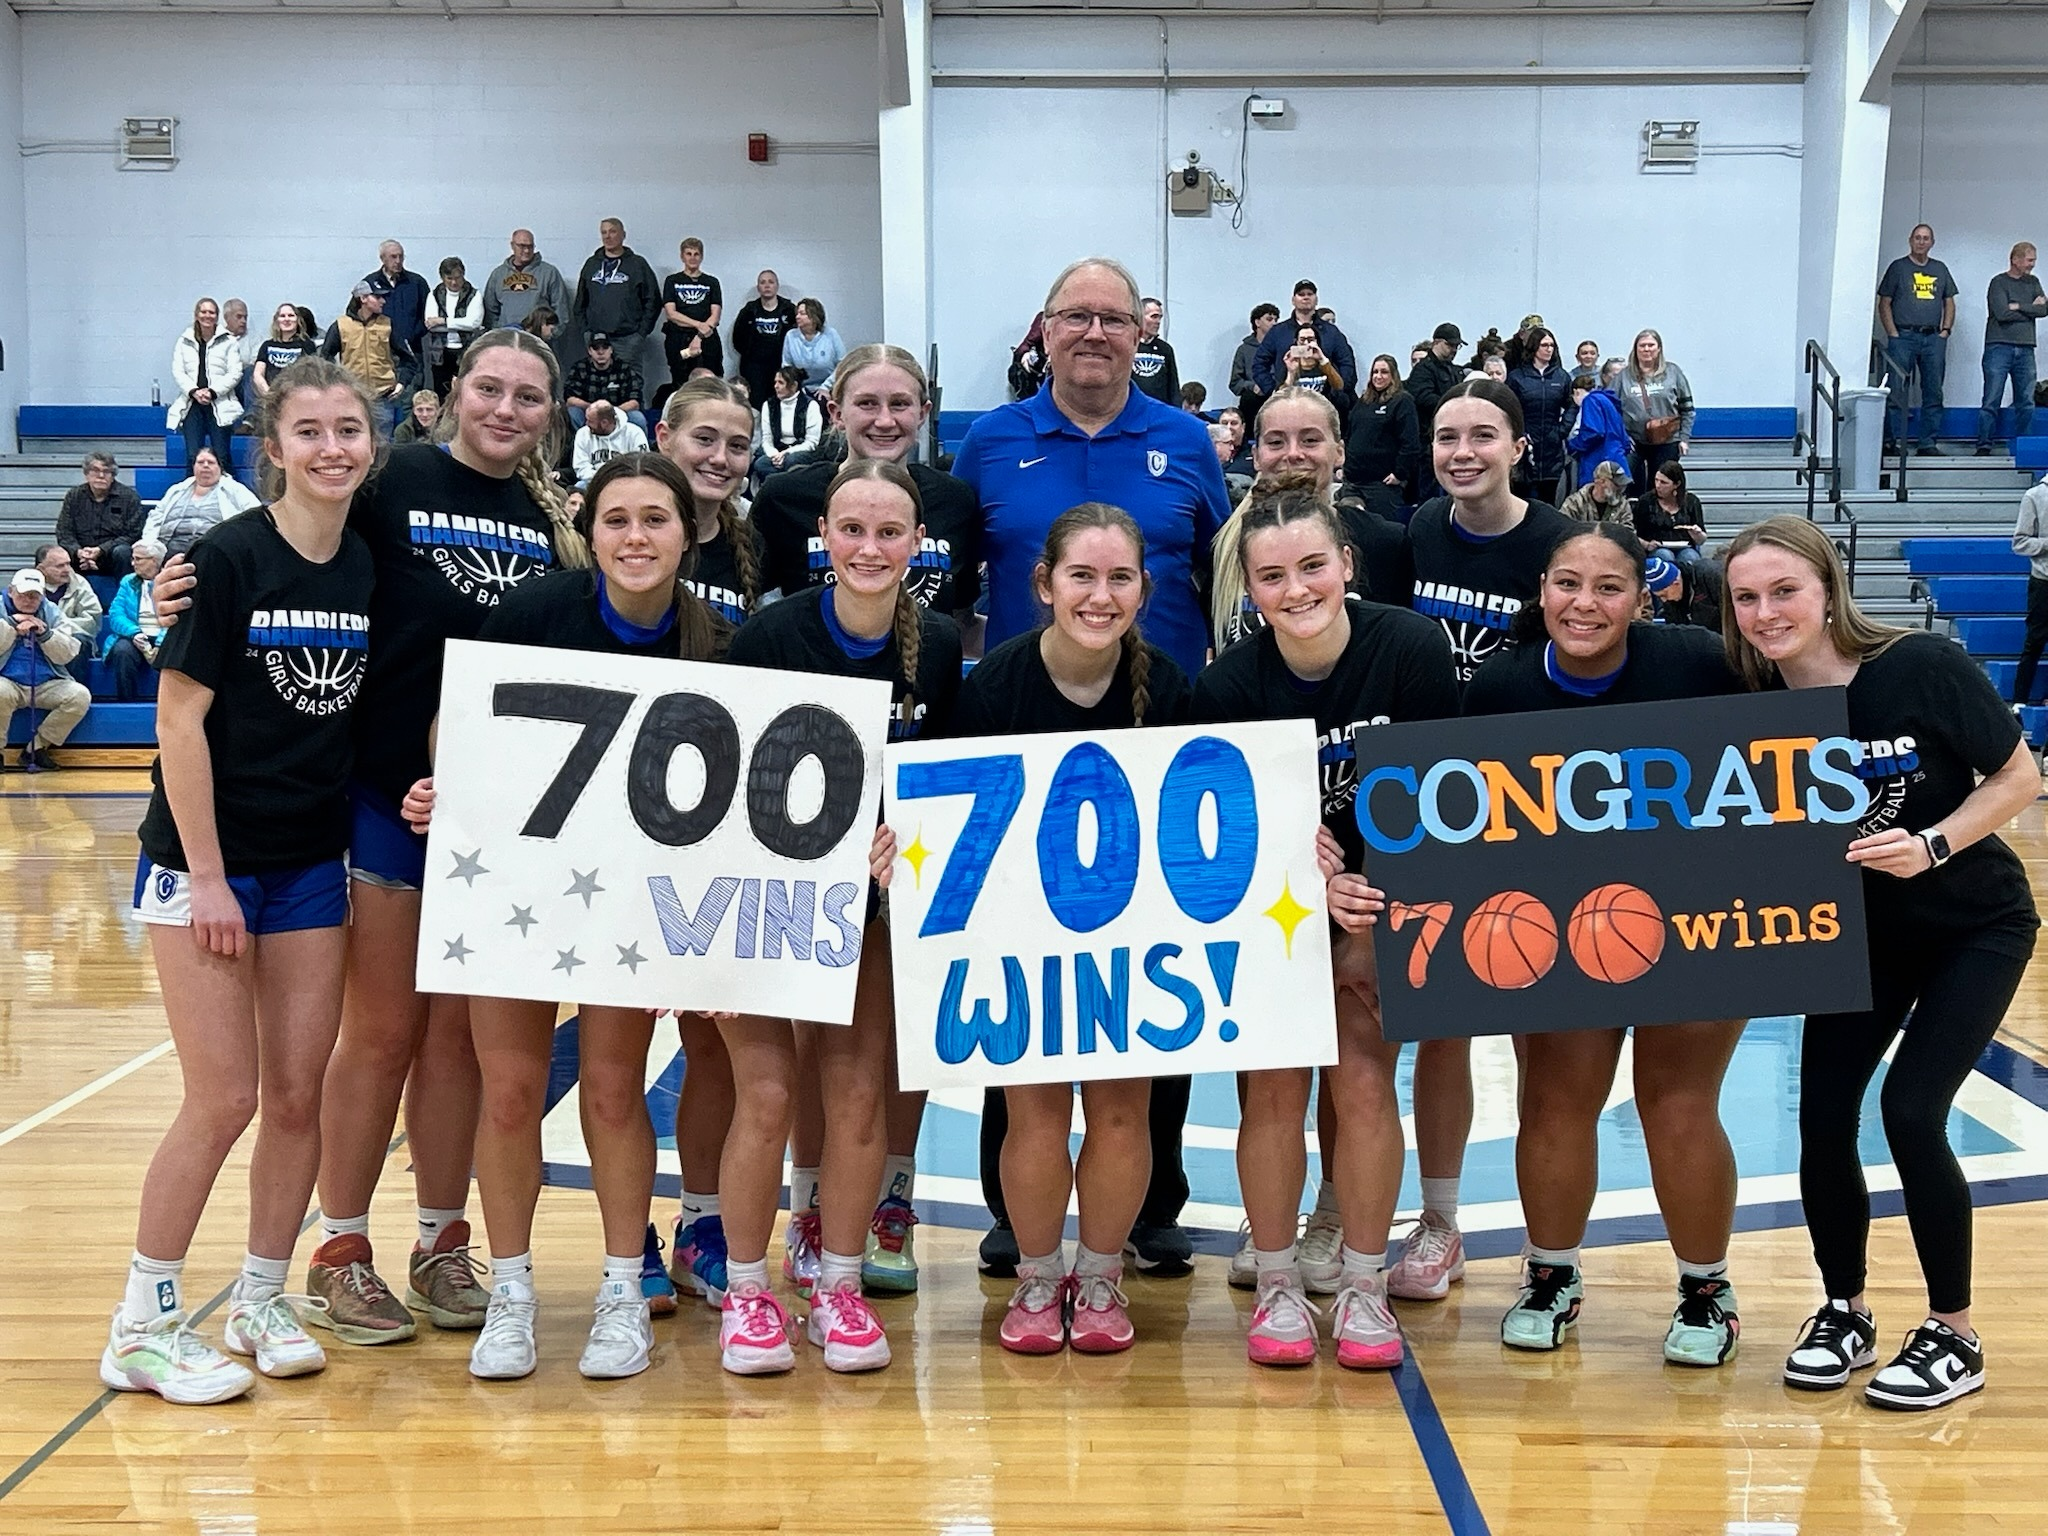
(1136, 656)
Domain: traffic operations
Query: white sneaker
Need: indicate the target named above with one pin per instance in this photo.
(1321, 1252)
(1244, 1268)
(621, 1336)
(270, 1330)
(168, 1358)
(1368, 1337)
(846, 1328)
(504, 1350)
(1432, 1260)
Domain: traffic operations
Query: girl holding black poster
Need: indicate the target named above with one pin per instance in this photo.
(634, 601)
(1577, 645)
(1347, 665)
(1952, 924)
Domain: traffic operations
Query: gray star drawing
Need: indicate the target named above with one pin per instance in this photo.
(467, 867)
(565, 960)
(458, 951)
(583, 885)
(630, 957)
(522, 918)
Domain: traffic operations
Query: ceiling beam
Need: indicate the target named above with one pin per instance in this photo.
(1900, 21)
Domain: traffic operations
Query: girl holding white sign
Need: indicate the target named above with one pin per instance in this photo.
(633, 602)
(242, 850)
(1578, 645)
(1088, 670)
(1347, 665)
(1952, 925)
(864, 623)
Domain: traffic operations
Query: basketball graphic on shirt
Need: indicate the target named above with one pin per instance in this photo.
(314, 658)
(1616, 933)
(1511, 941)
(1886, 767)
(480, 557)
(924, 578)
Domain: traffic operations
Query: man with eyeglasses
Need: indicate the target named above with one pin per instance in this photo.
(521, 284)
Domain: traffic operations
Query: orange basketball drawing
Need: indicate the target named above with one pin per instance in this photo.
(1511, 941)
(1616, 933)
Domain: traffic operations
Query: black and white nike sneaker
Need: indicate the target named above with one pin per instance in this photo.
(1938, 1365)
(1838, 1341)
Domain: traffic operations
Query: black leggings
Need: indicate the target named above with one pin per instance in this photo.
(1164, 1196)
(1957, 994)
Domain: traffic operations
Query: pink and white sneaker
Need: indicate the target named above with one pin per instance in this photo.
(1101, 1323)
(846, 1328)
(1368, 1337)
(753, 1334)
(1036, 1322)
(802, 1241)
(1433, 1258)
(1283, 1330)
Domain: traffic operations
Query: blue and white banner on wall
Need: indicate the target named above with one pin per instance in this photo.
(659, 834)
(1135, 904)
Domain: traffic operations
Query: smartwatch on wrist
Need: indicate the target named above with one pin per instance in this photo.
(1938, 849)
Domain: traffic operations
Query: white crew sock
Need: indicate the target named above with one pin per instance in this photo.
(899, 1179)
(513, 1277)
(1440, 1199)
(261, 1278)
(155, 1287)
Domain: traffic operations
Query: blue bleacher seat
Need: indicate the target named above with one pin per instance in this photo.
(1962, 557)
(151, 481)
(2034, 725)
(1989, 637)
(2031, 453)
(104, 725)
(90, 421)
(1979, 594)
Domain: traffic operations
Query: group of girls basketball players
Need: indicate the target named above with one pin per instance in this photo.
(253, 812)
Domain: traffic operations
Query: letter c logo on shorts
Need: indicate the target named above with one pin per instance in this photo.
(166, 884)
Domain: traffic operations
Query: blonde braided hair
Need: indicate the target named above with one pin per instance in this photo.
(535, 470)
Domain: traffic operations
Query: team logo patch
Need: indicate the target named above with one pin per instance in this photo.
(1155, 461)
(166, 883)
(314, 658)
(480, 557)
(1148, 365)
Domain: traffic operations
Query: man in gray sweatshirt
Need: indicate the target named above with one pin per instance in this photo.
(2030, 538)
(2015, 302)
(522, 283)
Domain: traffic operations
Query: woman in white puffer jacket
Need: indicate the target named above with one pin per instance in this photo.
(206, 365)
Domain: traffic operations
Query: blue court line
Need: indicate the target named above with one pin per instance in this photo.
(1453, 1491)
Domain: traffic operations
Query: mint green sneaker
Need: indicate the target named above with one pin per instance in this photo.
(1547, 1309)
(1704, 1330)
(890, 1263)
(166, 1357)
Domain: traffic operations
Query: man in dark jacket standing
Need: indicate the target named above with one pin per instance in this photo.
(100, 520)
(1249, 396)
(618, 294)
(757, 332)
(1431, 378)
(1269, 364)
(405, 306)
(1155, 370)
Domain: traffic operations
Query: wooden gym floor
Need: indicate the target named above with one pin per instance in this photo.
(957, 1438)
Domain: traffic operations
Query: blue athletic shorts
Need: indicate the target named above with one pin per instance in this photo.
(383, 849)
(277, 901)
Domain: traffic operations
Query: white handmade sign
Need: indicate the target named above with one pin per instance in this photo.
(1131, 904)
(662, 834)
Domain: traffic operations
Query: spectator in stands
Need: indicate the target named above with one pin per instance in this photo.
(542, 321)
(1598, 435)
(420, 416)
(455, 318)
(812, 346)
(1308, 366)
(692, 302)
(1494, 366)
(361, 342)
(195, 504)
(1154, 369)
(1670, 520)
(1249, 395)
(206, 363)
(35, 646)
(100, 519)
(1027, 360)
(604, 436)
(133, 633)
(1544, 389)
(1916, 305)
(521, 283)
(791, 422)
(2030, 538)
(1384, 445)
(1490, 346)
(1430, 379)
(1522, 344)
(757, 332)
(617, 295)
(1269, 363)
(291, 338)
(73, 594)
(1418, 352)
(234, 319)
(1193, 396)
(601, 375)
(2013, 303)
(1586, 357)
(1602, 499)
(1656, 404)
(405, 305)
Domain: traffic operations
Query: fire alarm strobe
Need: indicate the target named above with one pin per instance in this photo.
(757, 148)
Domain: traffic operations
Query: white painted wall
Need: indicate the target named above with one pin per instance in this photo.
(306, 140)
(13, 247)
(1408, 205)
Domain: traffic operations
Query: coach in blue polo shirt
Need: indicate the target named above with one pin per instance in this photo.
(1090, 436)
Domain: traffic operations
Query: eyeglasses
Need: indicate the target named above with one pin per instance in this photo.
(1078, 321)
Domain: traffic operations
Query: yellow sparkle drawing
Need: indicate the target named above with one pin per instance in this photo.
(1289, 914)
(915, 855)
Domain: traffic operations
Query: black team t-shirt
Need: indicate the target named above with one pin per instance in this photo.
(716, 577)
(1381, 569)
(695, 297)
(1009, 692)
(1474, 586)
(1663, 662)
(449, 544)
(1930, 722)
(1396, 668)
(283, 644)
(559, 611)
(792, 636)
(276, 356)
(944, 576)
